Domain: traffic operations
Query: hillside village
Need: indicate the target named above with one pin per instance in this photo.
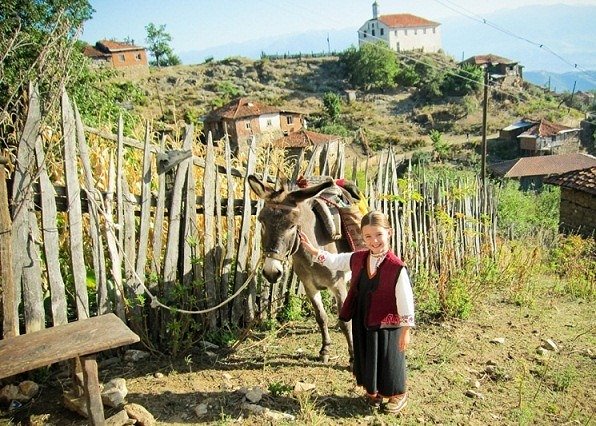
(276, 100)
(136, 220)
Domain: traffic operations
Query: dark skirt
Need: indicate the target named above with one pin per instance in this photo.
(378, 364)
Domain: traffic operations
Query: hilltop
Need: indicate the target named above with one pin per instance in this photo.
(399, 117)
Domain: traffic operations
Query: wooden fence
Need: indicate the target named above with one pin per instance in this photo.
(190, 242)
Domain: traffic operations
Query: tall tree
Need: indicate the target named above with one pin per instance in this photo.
(373, 66)
(158, 41)
(37, 43)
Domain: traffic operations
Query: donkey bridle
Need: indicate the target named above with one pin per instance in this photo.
(274, 254)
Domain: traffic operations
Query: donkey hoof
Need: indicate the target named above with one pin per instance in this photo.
(325, 358)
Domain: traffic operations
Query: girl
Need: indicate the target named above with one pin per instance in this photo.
(381, 306)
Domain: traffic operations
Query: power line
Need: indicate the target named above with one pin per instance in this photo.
(471, 15)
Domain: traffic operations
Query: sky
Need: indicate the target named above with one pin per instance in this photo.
(202, 24)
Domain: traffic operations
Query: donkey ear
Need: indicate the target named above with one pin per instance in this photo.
(261, 189)
(310, 191)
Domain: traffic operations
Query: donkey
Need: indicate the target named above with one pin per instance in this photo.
(283, 215)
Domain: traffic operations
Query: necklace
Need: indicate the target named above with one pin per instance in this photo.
(379, 257)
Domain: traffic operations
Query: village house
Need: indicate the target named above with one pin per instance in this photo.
(122, 56)
(540, 137)
(544, 138)
(577, 210)
(301, 145)
(531, 171)
(401, 32)
(502, 72)
(243, 119)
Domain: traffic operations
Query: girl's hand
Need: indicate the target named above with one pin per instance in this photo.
(404, 339)
(307, 245)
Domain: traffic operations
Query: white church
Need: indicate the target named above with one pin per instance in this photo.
(401, 32)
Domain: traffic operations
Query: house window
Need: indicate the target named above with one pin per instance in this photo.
(364, 36)
(373, 33)
(405, 32)
(122, 58)
(290, 119)
(434, 30)
(269, 122)
(424, 31)
(138, 56)
(247, 125)
(415, 32)
(382, 31)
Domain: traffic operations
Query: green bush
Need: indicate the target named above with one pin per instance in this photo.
(522, 214)
(573, 259)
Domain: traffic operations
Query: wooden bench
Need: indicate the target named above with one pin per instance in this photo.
(78, 341)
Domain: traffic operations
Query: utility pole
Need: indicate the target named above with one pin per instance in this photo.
(484, 112)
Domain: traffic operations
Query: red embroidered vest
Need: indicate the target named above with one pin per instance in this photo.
(382, 306)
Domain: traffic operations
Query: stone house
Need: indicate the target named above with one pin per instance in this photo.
(531, 171)
(540, 137)
(577, 211)
(545, 137)
(401, 32)
(502, 71)
(301, 145)
(242, 118)
(119, 55)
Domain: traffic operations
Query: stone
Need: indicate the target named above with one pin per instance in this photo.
(265, 412)
(548, 344)
(301, 387)
(75, 403)
(498, 340)
(254, 395)
(158, 375)
(473, 394)
(9, 393)
(202, 409)
(114, 393)
(541, 351)
(140, 414)
(134, 355)
(119, 419)
(28, 389)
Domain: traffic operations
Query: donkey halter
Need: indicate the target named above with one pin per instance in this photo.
(274, 254)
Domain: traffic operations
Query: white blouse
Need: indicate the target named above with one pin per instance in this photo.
(403, 289)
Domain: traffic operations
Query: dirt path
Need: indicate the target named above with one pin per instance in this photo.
(484, 370)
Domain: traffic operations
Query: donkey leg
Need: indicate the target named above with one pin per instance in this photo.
(322, 321)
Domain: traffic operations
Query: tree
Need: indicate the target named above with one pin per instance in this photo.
(332, 104)
(373, 66)
(37, 43)
(463, 80)
(158, 41)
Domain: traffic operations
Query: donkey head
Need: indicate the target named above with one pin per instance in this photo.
(281, 218)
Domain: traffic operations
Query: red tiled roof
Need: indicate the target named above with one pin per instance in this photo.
(302, 139)
(92, 52)
(544, 128)
(543, 165)
(583, 180)
(488, 59)
(116, 46)
(405, 20)
(242, 108)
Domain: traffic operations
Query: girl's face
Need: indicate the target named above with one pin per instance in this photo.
(376, 238)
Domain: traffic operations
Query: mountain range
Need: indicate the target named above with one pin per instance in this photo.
(554, 43)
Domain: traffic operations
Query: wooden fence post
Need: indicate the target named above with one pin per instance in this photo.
(209, 265)
(94, 201)
(75, 212)
(10, 323)
(27, 269)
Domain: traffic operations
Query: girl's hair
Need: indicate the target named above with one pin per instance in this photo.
(375, 218)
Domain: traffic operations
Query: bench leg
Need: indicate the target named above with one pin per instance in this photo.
(92, 394)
